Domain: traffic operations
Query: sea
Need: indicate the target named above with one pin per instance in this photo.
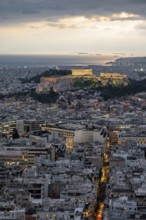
(54, 60)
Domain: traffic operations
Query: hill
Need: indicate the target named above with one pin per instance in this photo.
(51, 72)
(132, 88)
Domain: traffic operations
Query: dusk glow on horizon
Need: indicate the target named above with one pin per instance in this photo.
(66, 26)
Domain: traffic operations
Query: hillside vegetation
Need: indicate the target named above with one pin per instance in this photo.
(51, 72)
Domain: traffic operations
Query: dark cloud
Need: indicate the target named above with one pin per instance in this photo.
(30, 11)
(14, 11)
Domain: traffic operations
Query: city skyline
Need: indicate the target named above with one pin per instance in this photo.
(56, 27)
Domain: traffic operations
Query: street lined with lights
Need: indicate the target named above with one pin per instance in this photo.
(102, 182)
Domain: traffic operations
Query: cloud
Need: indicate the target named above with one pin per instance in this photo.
(141, 26)
(78, 22)
(22, 11)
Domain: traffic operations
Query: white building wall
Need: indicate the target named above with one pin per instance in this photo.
(86, 136)
(83, 136)
(98, 137)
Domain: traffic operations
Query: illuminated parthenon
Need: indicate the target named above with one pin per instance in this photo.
(61, 83)
(82, 72)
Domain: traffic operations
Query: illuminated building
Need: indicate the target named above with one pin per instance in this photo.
(112, 76)
(62, 83)
(82, 72)
(67, 134)
(8, 128)
(114, 137)
(22, 126)
(140, 139)
(75, 135)
(11, 157)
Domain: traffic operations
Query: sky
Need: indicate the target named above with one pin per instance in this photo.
(72, 26)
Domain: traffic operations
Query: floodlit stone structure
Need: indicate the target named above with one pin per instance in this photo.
(82, 72)
(62, 83)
